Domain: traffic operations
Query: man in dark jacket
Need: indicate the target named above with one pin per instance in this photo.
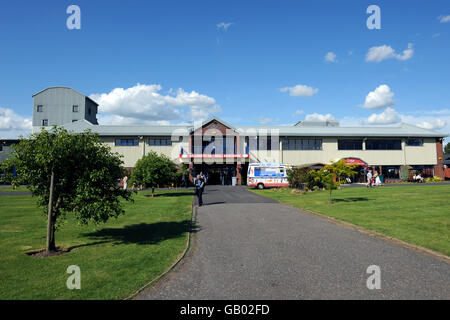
(199, 184)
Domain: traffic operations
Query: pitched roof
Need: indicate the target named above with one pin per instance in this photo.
(62, 87)
(203, 123)
(404, 130)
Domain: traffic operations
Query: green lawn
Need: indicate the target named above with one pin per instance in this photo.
(115, 258)
(416, 214)
(11, 189)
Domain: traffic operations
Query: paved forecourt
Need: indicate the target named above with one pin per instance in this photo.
(251, 247)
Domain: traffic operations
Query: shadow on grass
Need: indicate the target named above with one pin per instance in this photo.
(170, 194)
(354, 199)
(143, 233)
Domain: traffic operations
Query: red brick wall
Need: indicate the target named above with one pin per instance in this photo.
(439, 168)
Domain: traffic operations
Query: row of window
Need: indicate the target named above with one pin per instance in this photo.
(40, 108)
(377, 144)
(302, 144)
(296, 144)
(151, 142)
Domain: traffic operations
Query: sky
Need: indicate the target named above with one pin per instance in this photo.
(246, 62)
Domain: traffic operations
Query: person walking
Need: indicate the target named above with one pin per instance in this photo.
(199, 185)
(369, 179)
(377, 179)
(203, 176)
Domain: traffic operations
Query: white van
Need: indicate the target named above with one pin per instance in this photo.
(262, 175)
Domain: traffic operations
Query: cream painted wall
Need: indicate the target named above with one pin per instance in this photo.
(131, 154)
(423, 155)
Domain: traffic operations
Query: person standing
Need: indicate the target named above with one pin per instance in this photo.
(125, 184)
(199, 184)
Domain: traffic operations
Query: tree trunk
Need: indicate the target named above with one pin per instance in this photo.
(153, 191)
(50, 218)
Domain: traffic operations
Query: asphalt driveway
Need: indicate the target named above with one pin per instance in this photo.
(252, 247)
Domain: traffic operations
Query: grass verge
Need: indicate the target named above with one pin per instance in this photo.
(115, 258)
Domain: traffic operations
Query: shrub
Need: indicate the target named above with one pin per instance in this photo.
(299, 178)
(434, 179)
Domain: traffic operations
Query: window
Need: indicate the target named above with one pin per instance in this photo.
(40, 108)
(127, 142)
(74, 108)
(414, 142)
(383, 144)
(302, 144)
(262, 143)
(89, 111)
(350, 144)
(159, 142)
(45, 122)
(75, 120)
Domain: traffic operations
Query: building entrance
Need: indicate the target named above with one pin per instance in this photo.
(221, 174)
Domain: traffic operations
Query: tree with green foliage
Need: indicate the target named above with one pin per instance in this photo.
(300, 177)
(154, 170)
(331, 175)
(69, 173)
(447, 148)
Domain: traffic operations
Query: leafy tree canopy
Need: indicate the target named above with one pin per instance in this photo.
(447, 148)
(85, 171)
(154, 170)
(331, 175)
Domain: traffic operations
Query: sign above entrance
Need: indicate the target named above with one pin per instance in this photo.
(214, 156)
(354, 162)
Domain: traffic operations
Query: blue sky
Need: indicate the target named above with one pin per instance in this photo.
(189, 65)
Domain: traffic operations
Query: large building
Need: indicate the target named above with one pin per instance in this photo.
(224, 151)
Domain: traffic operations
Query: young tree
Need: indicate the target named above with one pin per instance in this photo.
(447, 148)
(331, 175)
(154, 170)
(69, 173)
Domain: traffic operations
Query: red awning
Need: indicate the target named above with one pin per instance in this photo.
(355, 162)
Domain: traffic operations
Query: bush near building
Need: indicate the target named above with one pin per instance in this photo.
(153, 171)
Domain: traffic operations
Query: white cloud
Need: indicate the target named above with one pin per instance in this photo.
(381, 97)
(433, 124)
(13, 125)
(300, 90)
(330, 57)
(298, 113)
(428, 122)
(389, 116)
(320, 117)
(380, 53)
(267, 120)
(145, 104)
(224, 25)
(444, 19)
(407, 54)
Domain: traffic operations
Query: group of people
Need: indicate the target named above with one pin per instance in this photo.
(199, 184)
(418, 178)
(373, 179)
